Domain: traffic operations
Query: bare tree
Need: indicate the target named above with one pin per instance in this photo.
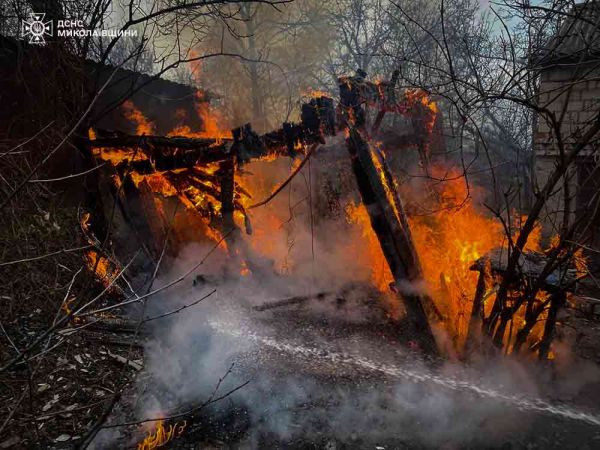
(500, 78)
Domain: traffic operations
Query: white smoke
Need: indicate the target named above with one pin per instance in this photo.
(324, 369)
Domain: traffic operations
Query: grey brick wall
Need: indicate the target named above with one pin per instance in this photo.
(576, 93)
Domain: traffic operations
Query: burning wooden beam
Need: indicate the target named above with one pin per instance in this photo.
(389, 222)
(176, 152)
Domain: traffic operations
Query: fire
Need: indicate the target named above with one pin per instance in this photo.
(161, 435)
(414, 97)
(449, 236)
(66, 307)
(380, 277)
(448, 240)
(270, 219)
(143, 125)
(389, 184)
(580, 262)
(418, 101)
(115, 156)
(184, 130)
(315, 93)
(202, 196)
(244, 270)
(104, 272)
(211, 122)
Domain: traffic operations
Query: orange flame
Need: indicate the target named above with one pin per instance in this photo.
(315, 93)
(143, 125)
(211, 120)
(381, 277)
(161, 435)
(448, 241)
(66, 307)
(419, 102)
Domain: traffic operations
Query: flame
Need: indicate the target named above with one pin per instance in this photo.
(202, 195)
(244, 270)
(380, 277)
(157, 182)
(417, 102)
(66, 307)
(104, 271)
(212, 120)
(315, 93)
(267, 219)
(448, 240)
(143, 125)
(161, 435)
(579, 261)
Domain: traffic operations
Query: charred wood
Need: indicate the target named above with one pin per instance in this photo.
(557, 301)
(226, 175)
(291, 301)
(389, 223)
(476, 319)
(168, 153)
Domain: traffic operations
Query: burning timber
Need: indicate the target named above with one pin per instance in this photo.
(390, 223)
(168, 153)
(195, 169)
(540, 285)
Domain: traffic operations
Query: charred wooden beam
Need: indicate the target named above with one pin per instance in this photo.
(291, 301)
(168, 153)
(120, 140)
(165, 153)
(389, 223)
(356, 91)
(226, 176)
(318, 116)
(474, 331)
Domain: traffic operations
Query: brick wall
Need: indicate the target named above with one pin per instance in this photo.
(575, 92)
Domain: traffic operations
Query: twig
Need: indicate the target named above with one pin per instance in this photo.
(287, 181)
(27, 141)
(178, 310)
(91, 434)
(168, 285)
(60, 144)
(208, 402)
(69, 411)
(35, 258)
(58, 323)
(66, 177)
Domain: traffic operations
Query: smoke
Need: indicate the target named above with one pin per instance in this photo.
(328, 369)
(330, 378)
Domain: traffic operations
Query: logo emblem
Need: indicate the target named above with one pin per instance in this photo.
(36, 28)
